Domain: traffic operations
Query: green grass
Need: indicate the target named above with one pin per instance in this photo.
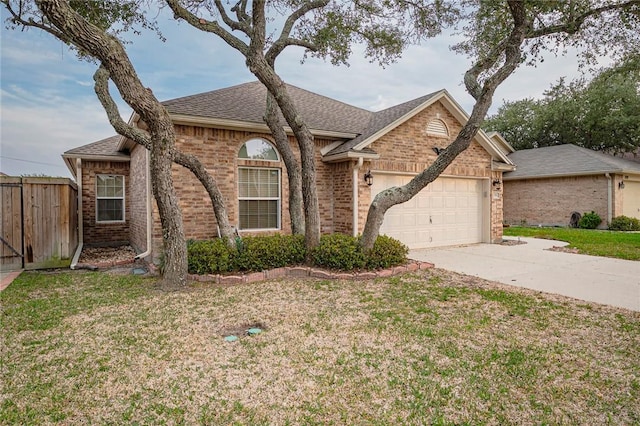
(431, 347)
(621, 245)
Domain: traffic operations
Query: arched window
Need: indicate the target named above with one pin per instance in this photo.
(258, 149)
(258, 187)
(437, 127)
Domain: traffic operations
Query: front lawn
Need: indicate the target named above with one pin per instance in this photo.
(622, 245)
(432, 347)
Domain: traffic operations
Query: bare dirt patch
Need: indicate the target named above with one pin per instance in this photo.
(107, 255)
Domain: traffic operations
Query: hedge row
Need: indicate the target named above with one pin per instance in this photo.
(336, 251)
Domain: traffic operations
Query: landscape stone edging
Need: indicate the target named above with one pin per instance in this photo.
(287, 271)
(305, 271)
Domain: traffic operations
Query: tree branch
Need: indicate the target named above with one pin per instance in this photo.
(284, 40)
(241, 24)
(101, 87)
(16, 18)
(209, 26)
(573, 25)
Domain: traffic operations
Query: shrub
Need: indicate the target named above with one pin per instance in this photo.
(338, 251)
(386, 252)
(268, 252)
(590, 220)
(209, 257)
(624, 223)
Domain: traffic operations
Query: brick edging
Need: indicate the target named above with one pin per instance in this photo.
(304, 272)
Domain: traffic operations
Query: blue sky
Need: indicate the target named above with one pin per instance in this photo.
(47, 104)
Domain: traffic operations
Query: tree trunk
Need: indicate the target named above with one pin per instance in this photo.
(175, 267)
(110, 52)
(296, 205)
(276, 87)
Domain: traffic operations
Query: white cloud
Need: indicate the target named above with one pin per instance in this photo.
(40, 134)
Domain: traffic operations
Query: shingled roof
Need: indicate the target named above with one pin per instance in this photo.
(103, 148)
(566, 160)
(244, 105)
(381, 119)
(246, 102)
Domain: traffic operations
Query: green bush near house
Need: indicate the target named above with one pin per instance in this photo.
(258, 253)
(209, 257)
(268, 252)
(339, 251)
(624, 223)
(590, 220)
(386, 252)
(343, 252)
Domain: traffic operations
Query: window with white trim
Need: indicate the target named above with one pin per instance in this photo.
(109, 198)
(259, 199)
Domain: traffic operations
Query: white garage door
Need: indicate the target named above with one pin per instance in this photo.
(447, 212)
(631, 200)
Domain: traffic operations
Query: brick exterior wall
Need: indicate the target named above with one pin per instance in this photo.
(409, 149)
(103, 233)
(138, 199)
(551, 201)
(218, 150)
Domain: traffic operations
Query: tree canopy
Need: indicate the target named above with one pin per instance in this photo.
(602, 114)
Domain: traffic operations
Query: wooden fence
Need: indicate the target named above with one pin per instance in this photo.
(39, 224)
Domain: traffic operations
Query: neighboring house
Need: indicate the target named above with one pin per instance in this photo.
(552, 182)
(225, 129)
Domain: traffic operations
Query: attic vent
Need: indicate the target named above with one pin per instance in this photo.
(437, 127)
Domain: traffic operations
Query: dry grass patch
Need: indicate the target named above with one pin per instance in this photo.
(426, 348)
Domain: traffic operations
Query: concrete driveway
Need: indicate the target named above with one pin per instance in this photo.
(595, 279)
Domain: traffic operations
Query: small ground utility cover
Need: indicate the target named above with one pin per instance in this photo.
(249, 329)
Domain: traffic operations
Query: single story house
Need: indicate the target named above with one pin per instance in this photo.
(225, 129)
(551, 183)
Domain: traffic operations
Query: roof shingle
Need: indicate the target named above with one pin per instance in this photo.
(566, 160)
(107, 147)
(381, 119)
(246, 102)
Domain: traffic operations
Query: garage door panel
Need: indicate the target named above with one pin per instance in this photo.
(631, 199)
(423, 219)
(447, 212)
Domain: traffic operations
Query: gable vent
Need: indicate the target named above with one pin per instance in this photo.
(437, 127)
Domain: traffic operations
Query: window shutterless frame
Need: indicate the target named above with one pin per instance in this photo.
(110, 198)
(259, 198)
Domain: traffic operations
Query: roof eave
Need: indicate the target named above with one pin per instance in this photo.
(350, 155)
(70, 165)
(502, 167)
(457, 112)
(119, 158)
(557, 175)
(251, 126)
(368, 141)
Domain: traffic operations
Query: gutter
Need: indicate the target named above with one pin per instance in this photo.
(76, 256)
(609, 198)
(149, 218)
(356, 168)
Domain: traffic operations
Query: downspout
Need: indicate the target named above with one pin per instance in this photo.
(356, 168)
(76, 256)
(609, 198)
(149, 218)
